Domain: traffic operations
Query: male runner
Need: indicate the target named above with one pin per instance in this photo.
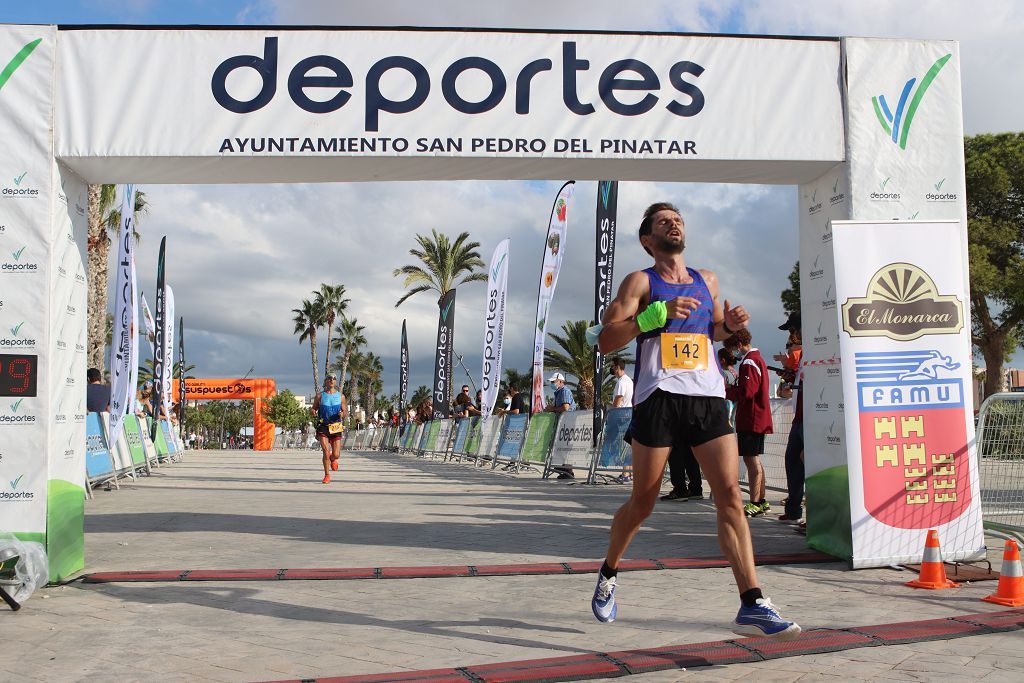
(675, 314)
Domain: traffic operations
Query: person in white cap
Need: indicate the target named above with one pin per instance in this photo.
(563, 402)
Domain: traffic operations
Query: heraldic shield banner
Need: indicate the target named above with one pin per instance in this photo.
(904, 322)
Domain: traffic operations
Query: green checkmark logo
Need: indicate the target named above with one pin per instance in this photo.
(16, 405)
(14, 330)
(884, 183)
(13, 65)
(15, 482)
(835, 186)
(914, 215)
(18, 179)
(938, 185)
(17, 254)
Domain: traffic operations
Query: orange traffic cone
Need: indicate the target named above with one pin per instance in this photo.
(933, 572)
(1010, 591)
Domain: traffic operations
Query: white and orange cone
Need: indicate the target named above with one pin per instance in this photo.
(1010, 591)
(933, 572)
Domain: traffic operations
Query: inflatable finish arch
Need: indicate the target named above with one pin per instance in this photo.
(868, 129)
(254, 390)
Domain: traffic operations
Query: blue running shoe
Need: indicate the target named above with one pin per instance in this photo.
(603, 603)
(763, 620)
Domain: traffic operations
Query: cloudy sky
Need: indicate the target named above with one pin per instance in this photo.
(242, 256)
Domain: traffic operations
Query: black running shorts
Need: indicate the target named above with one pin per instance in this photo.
(750, 444)
(665, 419)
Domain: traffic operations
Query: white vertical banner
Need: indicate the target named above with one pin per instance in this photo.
(136, 359)
(905, 327)
(494, 326)
(554, 249)
(147, 318)
(122, 390)
(168, 349)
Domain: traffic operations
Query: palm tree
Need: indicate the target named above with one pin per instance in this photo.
(372, 370)
(146, 372)
(421, 394)
(521, 380)
(443, 263)
(577, 358)
(331, 300)
(350, 339)
(104, 220)
(307, 320)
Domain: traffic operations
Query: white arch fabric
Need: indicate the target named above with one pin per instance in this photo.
(307, 105)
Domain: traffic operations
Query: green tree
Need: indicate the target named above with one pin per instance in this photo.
(791, 295)
(331, 301)
(421, 394)
(995, 232)
(521, 380)
(285, 411)
(443, 265)
(104, 217)
(349, 340)
(146, 372)
(356, 366)
(372, 371)
(575, 357)
(307, 319)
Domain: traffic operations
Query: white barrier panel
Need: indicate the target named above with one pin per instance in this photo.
(574, 439)
(490, 431)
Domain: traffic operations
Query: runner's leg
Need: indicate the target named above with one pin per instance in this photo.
(648, 466)
(719, 463)
(336, 449)
(325, 448)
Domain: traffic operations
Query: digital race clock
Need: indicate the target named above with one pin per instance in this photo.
(18, 374)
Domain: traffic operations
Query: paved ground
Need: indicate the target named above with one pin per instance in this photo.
(245, 510)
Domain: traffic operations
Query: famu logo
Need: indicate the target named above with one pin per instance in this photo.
(18, 338)
(885, 192)
(19, 262)
(902, 303)
(815, 206)
(896, 121)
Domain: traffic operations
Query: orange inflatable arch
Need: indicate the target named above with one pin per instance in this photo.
(254, 389)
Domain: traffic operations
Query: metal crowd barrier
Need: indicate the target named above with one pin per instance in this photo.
(1000, 441)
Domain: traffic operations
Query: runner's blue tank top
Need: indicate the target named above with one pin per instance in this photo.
(330, 405)
(649, 373)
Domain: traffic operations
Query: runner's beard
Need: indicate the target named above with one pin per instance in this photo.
(664, 245)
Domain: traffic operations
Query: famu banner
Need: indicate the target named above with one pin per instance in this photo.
(160, 345)
(442, 386)
(905, 328)
(494, 326)
(403, 379)
(604, 262)
(122, 389)
(554, 248)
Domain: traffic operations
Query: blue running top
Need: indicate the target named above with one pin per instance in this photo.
(330, 405)
(649, 373)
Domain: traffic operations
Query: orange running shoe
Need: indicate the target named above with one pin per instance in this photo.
(334, 465)
(327, 479)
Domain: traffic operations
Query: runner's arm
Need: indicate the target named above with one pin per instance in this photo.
(620, 326)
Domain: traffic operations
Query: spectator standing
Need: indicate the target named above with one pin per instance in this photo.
(753, 416)
(97, 394)
(563, 402)
(622, 397)
(795, 445)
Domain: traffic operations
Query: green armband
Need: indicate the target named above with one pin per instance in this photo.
(653, 317)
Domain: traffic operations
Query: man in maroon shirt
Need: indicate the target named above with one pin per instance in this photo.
(753, 415)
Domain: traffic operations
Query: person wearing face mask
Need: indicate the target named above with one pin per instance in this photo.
(506, 403)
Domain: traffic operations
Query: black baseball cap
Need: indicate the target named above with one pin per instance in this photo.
(792, 322)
